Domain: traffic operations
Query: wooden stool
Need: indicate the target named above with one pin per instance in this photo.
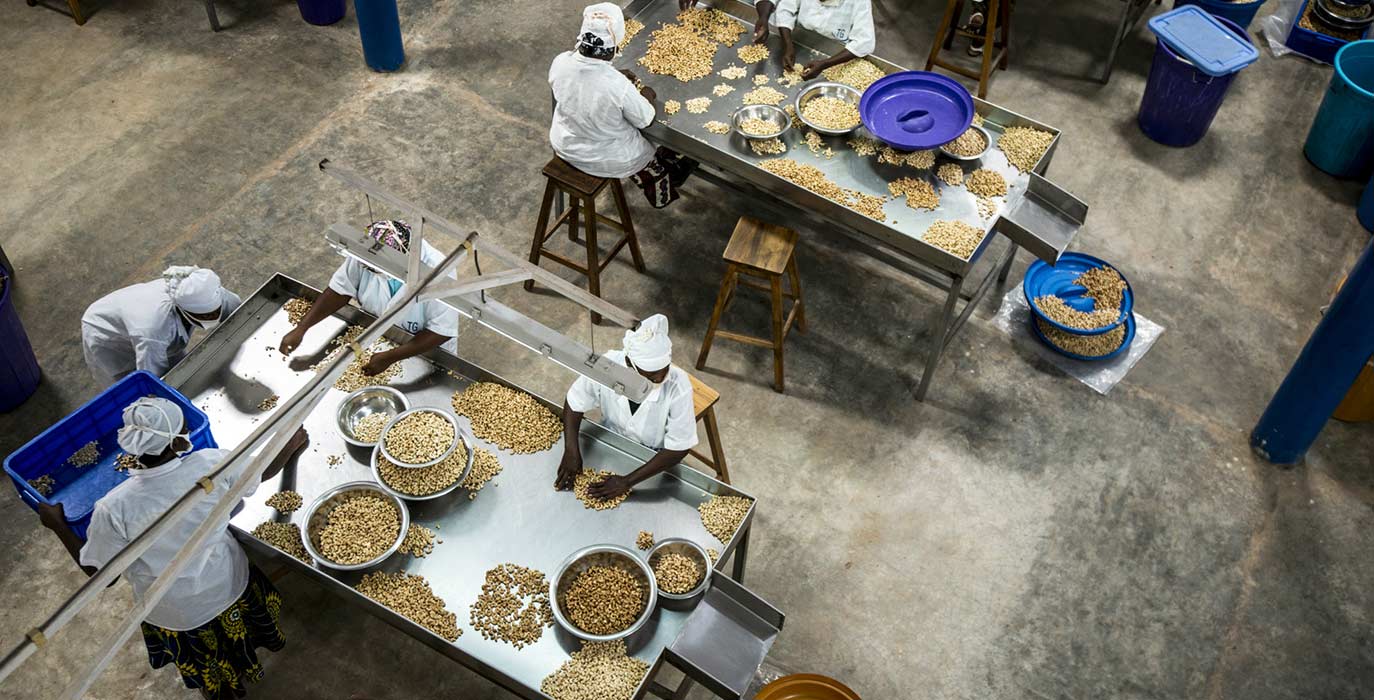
(704, 400)
(998, 17)
(73, 5)
(582, 190)
(765, 251)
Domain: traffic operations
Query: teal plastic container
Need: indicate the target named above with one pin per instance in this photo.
(1341, 141)
(1242, 13)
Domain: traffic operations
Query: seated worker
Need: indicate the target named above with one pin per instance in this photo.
(220, 608)
(665, 421)
(432, 323)
(598, 113)
(148, 325)
(846, 21)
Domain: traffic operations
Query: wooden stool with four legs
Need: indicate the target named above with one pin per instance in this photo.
(998, 18)
(764, 251)
(704, 400)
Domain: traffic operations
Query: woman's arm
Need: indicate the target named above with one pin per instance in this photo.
(423, 342)
(53, 518)
(328, 302)
(815, 67)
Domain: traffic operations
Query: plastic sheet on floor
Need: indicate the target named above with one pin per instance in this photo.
(1014, 318)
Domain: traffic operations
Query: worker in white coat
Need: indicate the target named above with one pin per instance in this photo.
(432, 323)
(598, 113)
(664, 421)
(219, 609)
(148, 326)
(849, 22)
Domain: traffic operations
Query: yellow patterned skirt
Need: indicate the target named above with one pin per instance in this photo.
(220, 658)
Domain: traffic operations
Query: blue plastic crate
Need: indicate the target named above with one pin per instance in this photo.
(1315, 45)
(78, 488)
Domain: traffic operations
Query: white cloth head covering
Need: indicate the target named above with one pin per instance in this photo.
(603, 28)
(193, 289)
(649, 346)
(150, 425)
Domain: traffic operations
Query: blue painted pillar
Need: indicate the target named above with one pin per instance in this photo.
(1324, 371)
(379, 25)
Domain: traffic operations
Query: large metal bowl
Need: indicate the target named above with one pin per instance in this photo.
(364, 402)
(1329, 12)
(444, 413)
(987, 144)
(688, 548)
(768, 113)
(601, 555)
(827, 89)
(467, 468)
(317, 516)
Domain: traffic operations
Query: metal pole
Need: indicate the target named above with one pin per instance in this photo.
(1333, 357)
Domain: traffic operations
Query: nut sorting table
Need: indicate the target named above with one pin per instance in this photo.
(727, 161)
(518, 517)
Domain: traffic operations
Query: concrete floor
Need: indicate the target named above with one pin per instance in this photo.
(1016, 536)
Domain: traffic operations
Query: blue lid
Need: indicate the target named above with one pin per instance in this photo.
(914, 110)
(1044, 279)
(1202, 39)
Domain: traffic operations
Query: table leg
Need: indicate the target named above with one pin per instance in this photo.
(212, 15)
(741, 554)
(1006, 266)
(937, 341)
(1116, 41)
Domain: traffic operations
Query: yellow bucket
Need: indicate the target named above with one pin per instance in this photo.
(1358, 406)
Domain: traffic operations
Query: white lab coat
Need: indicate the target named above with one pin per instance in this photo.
(597, 118)
(664, 421)
(373, 292)
(217, 573)
(137, 327)
(847, 21)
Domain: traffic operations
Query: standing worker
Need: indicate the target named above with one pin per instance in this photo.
(220, 608)
(665, 421)
(598, 113)
(432, 323)
(849, 22)
(148, 326)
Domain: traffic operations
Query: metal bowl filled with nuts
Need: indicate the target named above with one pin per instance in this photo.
(971, 145)
(425, 483)
(668, 560)
(760, 122)
(419, 438)
(365, 540)
(837, 111)
(368, 410)
(605, 587)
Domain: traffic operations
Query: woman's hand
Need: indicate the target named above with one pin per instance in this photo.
(789, 58)
(813, 69)
(610, 487)
(52, 516)
(377, 364)
(291, 341)
(568, 469)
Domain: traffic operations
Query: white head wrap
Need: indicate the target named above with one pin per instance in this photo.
(649, 346)
(150, 425)
(603, 28)
(193, 289)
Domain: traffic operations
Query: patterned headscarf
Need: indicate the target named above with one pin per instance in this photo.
(394, 233)
(603, 28)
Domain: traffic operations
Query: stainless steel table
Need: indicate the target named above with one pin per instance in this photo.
(727, 161)
(517, 517)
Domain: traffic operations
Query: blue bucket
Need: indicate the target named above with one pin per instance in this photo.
(379, 25)
(1341, 141)
(1365, 212)
(1181, 101)
(1240, 13)
(19, 373)
(322, 12)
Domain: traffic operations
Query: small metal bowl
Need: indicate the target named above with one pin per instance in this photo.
(467, 469)
(364, 402)
(601, 555)
(987, 144)
(678, 545)
(1328, 11)
(381, 441)
(773, 115)
(827, 89)
(317, 516)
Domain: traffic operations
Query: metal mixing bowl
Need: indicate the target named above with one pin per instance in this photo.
(363, 403)
(467, 468)
(1329, 12)
(317, 516)
(601, 555)
(987, 144)
(768, 113)
(381, 442)
(827, 89)
(678, 545)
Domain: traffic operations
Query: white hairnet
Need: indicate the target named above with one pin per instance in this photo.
(150, 425)
(649, 346)
(193, 289)
(603, 28)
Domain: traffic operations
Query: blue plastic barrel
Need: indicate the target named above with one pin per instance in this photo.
(1365, 212)
(1341, 141)
(1242, 13)
(322, 12)
(1180, 101)
(19, 373)
(379, 24)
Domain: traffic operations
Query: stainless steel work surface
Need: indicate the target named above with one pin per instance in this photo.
(518, 517)
(904, 227)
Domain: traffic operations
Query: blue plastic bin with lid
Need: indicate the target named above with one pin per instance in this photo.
(19, 373)
(78, 488)
(1341, 141)
(1241, 12)
(322, 12)
(1196, 58)
(379, 27)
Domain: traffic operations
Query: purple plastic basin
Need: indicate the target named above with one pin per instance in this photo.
(915, 110)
